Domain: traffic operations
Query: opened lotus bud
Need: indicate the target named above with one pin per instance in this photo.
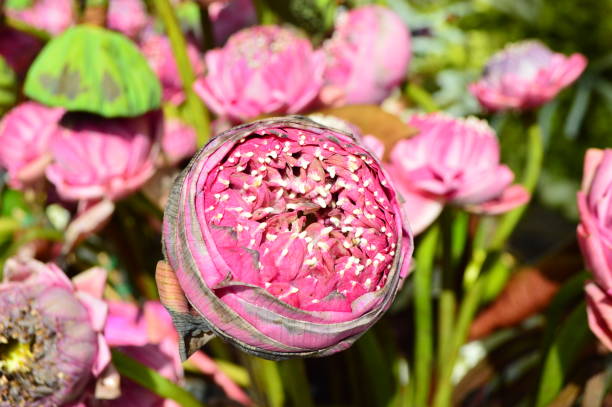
(50, 334)
(283, 237)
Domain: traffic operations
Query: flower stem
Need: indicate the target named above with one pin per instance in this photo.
(423, 348)
(466, 315)
(265, 15)
(421, 97)
(26, 28)
(294, 376)
(533, 166)
(448, 302)
(266, 380)
(197, 112)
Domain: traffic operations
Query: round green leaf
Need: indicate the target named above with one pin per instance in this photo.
(91, 69)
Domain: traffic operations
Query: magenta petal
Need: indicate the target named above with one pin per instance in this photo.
(599, 310)
(512, 197)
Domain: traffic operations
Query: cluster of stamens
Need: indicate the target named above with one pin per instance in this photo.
(303, 215)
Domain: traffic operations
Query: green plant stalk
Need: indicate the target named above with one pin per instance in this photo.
(197, 112)
(265, 15)
(26, 28)
(294, 376)
(375, 367)
(30, 235)
(266, 380)
(448, 300)
(423, 345)
(150, 379)
(420, 96)
(533, 167)
(467, 310)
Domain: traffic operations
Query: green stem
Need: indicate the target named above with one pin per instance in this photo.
(294, 377)
(420, 96)
(30, 236)
(266, 380)
(448, 301)
(150, 379)
(265, 15)
(197, 112)
(423, 348)
(467, 310)
(533, 167)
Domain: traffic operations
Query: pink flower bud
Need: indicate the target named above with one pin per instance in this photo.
(595, 228)
(261, 70)
(158, 51)
(50, 331)
(599, 311)
(287, 239)
(25, 132)
(127, 16)
(102, 158)
(53, 16)
(525, 75)
(367, 56)
(452, 161)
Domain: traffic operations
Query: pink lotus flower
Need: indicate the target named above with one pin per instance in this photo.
(53, 16)
(286, 238)
(50, 329)
(526, 75)
(178, 141)
(25, 132)
(156, 48)
(150, 337)
(261, 70)
(367, 56)
(102, 158)
(595, 228)
(599, 311)
(230, 17)
(451, 161)
(127, 16)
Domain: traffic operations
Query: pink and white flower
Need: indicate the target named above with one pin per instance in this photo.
(451, 161)
(286, 236)
(261, 70)
(525, 75)
(367, 56)
(128, 17)
(102, 158)
(53, 16)
(25, 133)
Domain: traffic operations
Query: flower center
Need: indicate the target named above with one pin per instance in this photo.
(27, 373)
(303, 215)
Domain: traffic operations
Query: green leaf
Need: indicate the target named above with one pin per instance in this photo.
(149, 378)
(91, 69)
(562, 354)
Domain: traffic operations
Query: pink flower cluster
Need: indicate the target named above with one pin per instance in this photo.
(272, 70)
(526, 75)
(595, 238)
(450, 161)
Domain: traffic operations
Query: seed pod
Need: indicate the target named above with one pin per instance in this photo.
(283, 237)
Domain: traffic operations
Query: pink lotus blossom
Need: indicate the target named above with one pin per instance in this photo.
(53, 16)
(599, 311)
(127, 16)
(451, 161)
(261, 70)
(286, 236)
(158, 51)
(18, 49)
(525, 75)
(178, 141)
(230, 17)
(102, 158)
(594, 204)
(367, 56)
(149, 336)
(25, 132)
(52, 328)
